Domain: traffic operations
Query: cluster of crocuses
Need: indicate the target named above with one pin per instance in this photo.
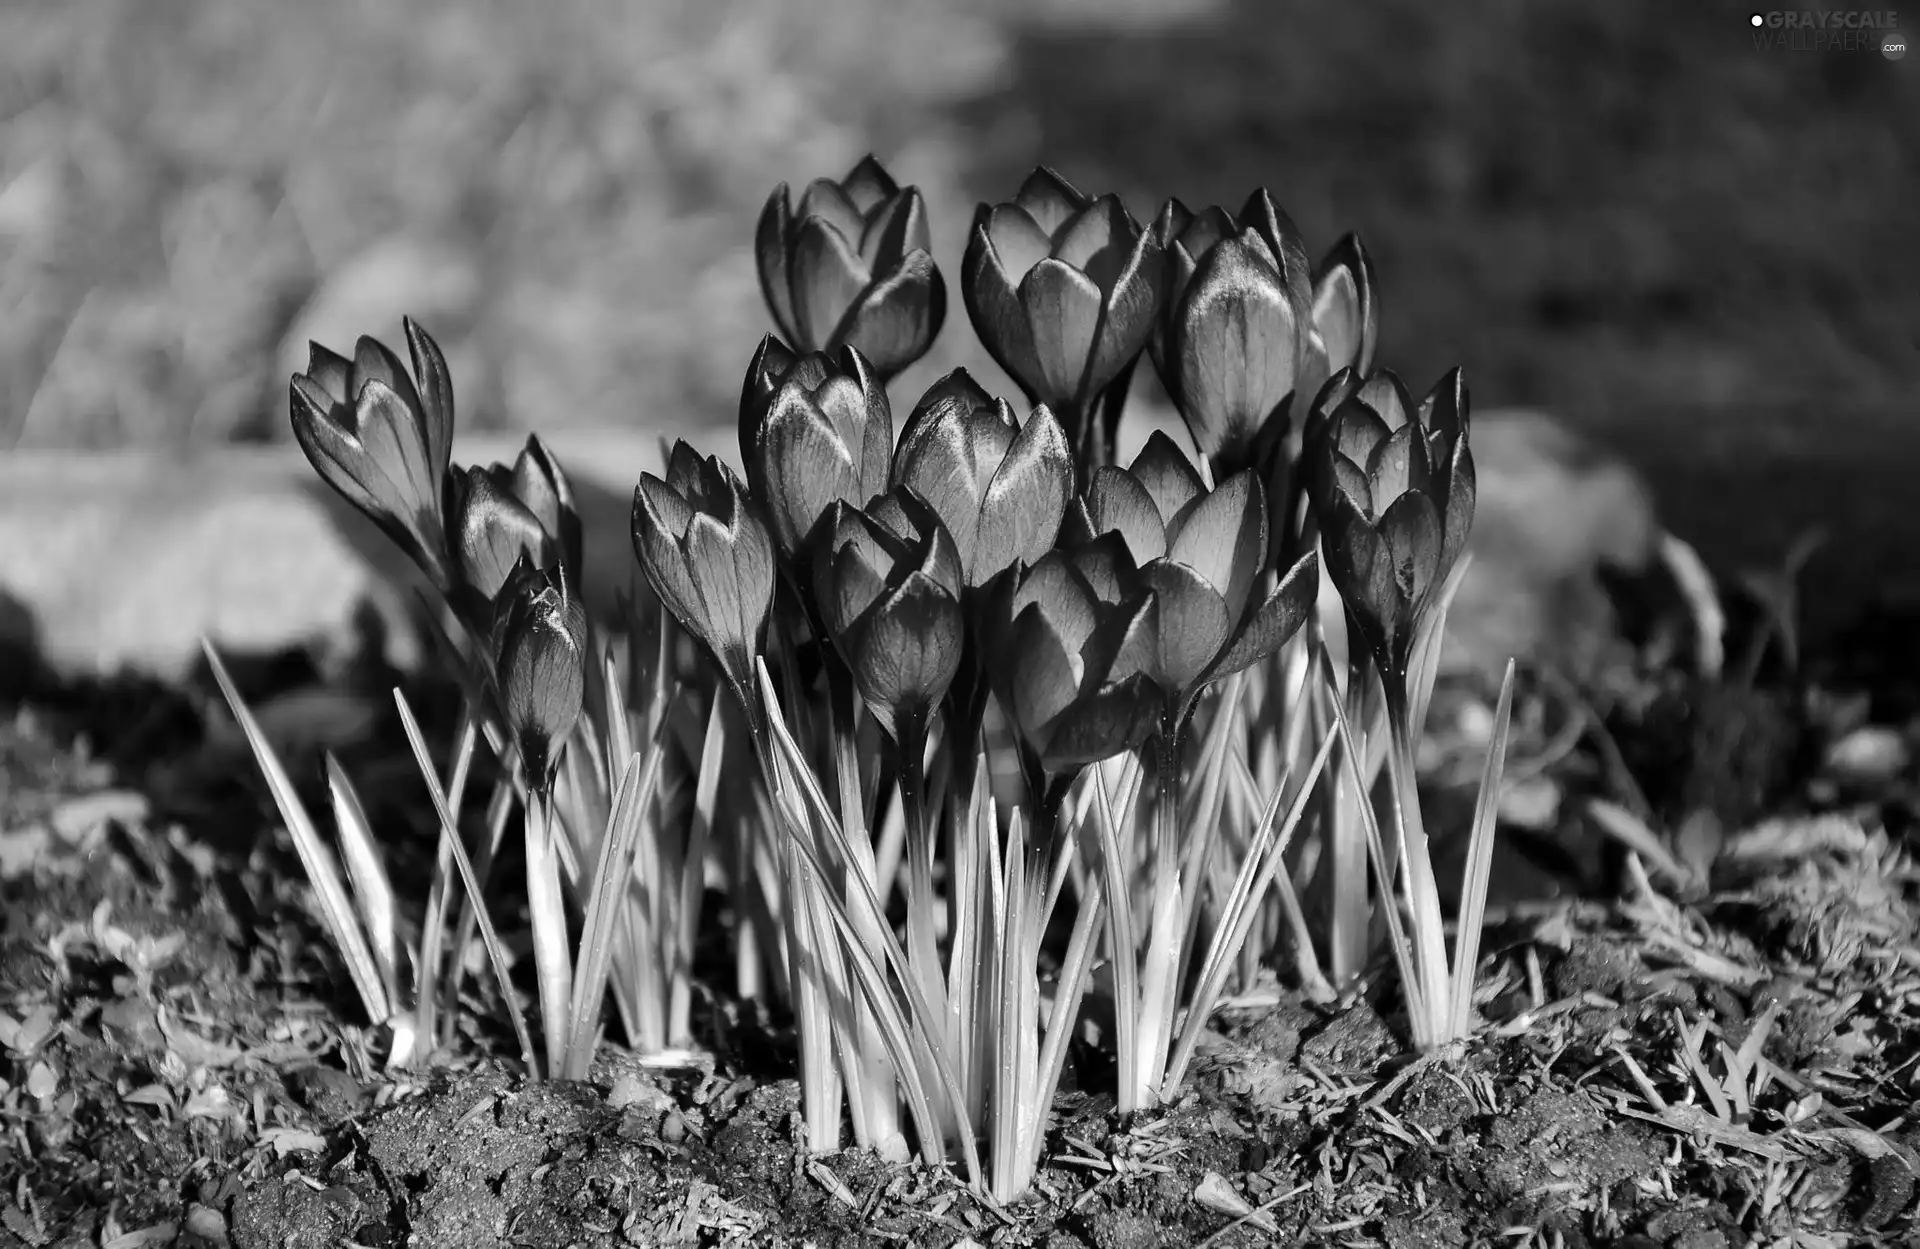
(888, 601)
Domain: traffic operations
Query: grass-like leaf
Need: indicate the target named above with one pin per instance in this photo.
(607, 890)
(450, 833)
(796, 786)
(372, 891)
(1473, 893)
(1264, 859)
(323, 871)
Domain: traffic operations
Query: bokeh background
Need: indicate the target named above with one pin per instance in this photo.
(1625, 213)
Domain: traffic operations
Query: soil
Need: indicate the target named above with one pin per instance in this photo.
(182, 1061)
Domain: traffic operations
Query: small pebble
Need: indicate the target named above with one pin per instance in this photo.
(1870, 755)
(1533, 803)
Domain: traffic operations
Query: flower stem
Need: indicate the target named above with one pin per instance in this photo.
(1428, 937)
(547, 906)
(1160, 970)
(922, 953)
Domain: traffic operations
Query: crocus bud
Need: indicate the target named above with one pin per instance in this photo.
(1000, 487)
(887, 584)
(1346, 317)
(852, 267)
(1063, 291)
(539, 664)
(822, 433)
(382, 438)
(708, 555)
(1393, 490)
(1197, 555)
(1236, 342)
(1058, 627)
(496, 514)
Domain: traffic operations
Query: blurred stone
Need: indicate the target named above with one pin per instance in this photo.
(1553, 510)
(1871, 755)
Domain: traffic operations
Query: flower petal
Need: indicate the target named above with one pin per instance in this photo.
(827, 276)
(1277, 618)
(435, 384)
(1190, 625)
(909, 648)
(807, 468)
(868, 184)
(1236, 350)
(1062, 307)
(1117, 502)
(1019, 519)
(827, 201)
(1344, 311)
(1167, 475)
(993, 305)
(1223, 538)
(1049, 199)
(896, 319)
(773, 260)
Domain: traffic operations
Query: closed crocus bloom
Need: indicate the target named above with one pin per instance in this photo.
(1197, 555)
(1238, 329)
(852, 266)
(817, 431)
(1000, 486)
(1058, 626)
(539, 663)
(887, 584)
(708, 555)
(496, 514)
(382, 437)
(1393, 489)
(1063, 291)
(1346, 317)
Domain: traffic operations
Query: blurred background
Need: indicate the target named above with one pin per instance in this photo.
(1624, 213)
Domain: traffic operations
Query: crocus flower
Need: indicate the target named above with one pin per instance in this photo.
(1237, 335)
(1000, 486)
(1393, 489)
(1058, 626)
(539, 663)
(1346, 317)
(708, 555)
(813, 430)
(852, 267)
(1063, 291)
(496, 514)
(382, 438)
(887, 584)
(1197, 555)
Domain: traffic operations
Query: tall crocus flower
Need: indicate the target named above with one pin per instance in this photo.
(1393, 489)
(814, 430)
(1063, 291)
(382, 437)
(540, 670)
(1238, 330)
(1000, 486)
(708, 555)
(852, 266)
(496, 513)
(1197, 556)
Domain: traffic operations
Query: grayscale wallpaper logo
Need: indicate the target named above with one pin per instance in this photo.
(1830, 30)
